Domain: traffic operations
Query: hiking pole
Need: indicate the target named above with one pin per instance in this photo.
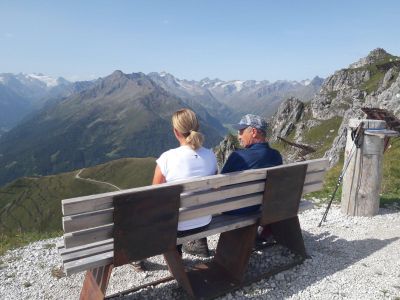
(357, 142)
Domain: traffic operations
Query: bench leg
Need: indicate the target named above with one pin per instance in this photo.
(95, 283)
(177, 269)
(234, 250)
(288, 233)
(222, 274)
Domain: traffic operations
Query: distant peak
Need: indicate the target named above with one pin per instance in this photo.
(117, 73)
(317, 80)
(373, 57)
(378, 53)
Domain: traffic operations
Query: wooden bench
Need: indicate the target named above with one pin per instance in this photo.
(112, 229)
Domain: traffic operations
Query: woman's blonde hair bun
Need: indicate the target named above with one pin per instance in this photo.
(186, 123)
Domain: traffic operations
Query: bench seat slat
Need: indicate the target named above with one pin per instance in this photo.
(87, 220)
(90, 262)
(223, 193)
(87, 236)
(67, 257)
(223, 224)
(221, 206)
(64, 250)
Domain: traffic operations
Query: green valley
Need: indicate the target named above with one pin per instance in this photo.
(30, 207)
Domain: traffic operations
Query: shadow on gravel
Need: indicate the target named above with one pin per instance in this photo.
(329, 254)
(388, 210)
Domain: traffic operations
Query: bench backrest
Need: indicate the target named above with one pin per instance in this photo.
(89, 220)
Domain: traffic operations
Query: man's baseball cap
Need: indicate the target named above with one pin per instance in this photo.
(251, 120)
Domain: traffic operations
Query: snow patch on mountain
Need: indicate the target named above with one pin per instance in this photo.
(47, 80)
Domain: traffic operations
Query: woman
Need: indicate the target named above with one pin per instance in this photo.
(187, 161)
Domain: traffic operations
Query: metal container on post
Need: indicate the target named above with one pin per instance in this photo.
(362, 180)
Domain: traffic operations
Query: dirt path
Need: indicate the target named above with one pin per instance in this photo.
(77, 176)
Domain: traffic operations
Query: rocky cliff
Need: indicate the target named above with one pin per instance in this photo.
(373, 81)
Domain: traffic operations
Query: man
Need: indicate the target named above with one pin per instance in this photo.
(256, 154)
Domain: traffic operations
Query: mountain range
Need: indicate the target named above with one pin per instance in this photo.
(22, 94)
(122, 115)
(228, 100)
(73, 125)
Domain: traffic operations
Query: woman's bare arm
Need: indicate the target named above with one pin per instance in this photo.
(158, 176)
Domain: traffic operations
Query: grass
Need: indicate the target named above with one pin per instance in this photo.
(15, 240)
(330, 182)
(377, 72)
(124, 173)
(321, 137)
(373, 83)
(35, 203)
(49, 246)
(390, 191)
(30, 208)
(390, 187)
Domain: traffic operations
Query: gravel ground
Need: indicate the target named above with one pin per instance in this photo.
(351, 258)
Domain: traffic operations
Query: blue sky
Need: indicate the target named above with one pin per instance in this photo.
(258, 40)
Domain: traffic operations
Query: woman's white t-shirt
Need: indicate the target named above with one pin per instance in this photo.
(183, 163)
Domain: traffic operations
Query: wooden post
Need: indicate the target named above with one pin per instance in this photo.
(362, 180)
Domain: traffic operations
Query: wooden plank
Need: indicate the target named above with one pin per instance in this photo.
(312, 187)
(86, 246)
(95, 283)
(220, 206)
(234, 249)
(314, 176)
(142, 219)
(87, 220)
(67, 257)
(221, 224)
(91, 262)
(87, 236)
(60, 246)
(222, 193)
(282, 194)
(103, 201)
